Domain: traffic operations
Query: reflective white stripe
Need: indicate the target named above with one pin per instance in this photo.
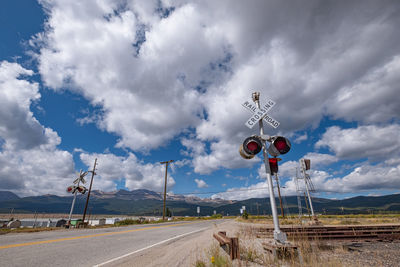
(156, 244)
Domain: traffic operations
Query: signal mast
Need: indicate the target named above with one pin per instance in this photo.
(74, 189)
(252, 145)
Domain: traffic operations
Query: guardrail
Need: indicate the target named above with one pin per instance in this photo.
(229, 244)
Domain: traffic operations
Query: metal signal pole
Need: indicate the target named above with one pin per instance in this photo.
(90, 189)
(165, 185)
(278, 234)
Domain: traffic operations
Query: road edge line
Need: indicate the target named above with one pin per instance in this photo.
(156, 244)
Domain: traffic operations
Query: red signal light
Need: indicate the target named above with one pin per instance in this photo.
(81, 189)
(279, 145)
(273, 165)
(250, 147)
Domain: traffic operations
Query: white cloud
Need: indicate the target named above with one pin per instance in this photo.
(319, 159)
(18, 127)
(254, 191)
(201, 183)
(30, 163)
(223, 155)
(373, 98)
(300, 138)
(137, 175)
(374, 142)
(157, 74)
(363, 178)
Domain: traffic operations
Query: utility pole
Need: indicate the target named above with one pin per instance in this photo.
(258, 211)
(165, 185)
(278, 234)
(279, 194)
(90, 189)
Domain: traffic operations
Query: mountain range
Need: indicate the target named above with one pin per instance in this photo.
(146, 202)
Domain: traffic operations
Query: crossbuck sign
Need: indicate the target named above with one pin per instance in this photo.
(260, 113)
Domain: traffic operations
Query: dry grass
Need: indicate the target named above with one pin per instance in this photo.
(27, 230)
(214, 257)
(309, 253)
(359, 219)
(350, 219)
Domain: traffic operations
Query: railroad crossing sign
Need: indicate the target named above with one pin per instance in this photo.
(81, 177)
(260, 113)
(76, 187)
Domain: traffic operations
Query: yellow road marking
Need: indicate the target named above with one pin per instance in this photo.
(88, 236)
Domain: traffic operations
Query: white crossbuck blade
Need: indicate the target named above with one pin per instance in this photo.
(261, 113)
(81, 175)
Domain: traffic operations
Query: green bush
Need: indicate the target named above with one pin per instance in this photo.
(245, 215)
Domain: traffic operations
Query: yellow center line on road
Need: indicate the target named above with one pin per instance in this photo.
(89, 236)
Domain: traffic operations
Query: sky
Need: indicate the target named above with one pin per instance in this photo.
(135, 83)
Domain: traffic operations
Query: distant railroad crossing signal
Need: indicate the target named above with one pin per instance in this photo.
(74, 189)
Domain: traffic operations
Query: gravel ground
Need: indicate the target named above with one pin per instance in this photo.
(374, 253)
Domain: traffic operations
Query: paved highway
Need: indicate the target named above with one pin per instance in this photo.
(90, 247)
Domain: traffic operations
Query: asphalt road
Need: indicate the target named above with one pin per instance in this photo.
(90, 247)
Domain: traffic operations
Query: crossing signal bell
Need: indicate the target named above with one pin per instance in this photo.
(250, 147)
(279, 145)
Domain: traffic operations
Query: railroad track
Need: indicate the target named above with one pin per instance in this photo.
(356, 232)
